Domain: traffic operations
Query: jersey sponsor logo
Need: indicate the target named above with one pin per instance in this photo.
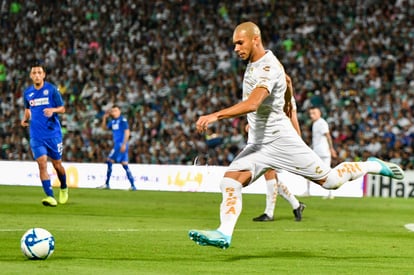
(39, 101)
(230, 201)
(348, 168)
(115, 126)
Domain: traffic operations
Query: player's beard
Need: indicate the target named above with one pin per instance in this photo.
(38, 83)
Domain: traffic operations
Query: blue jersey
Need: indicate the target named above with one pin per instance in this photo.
(41, 126)
(118, 127)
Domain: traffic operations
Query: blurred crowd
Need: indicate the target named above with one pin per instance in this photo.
(167, 62)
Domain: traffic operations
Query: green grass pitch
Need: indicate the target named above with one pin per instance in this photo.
(144, 232)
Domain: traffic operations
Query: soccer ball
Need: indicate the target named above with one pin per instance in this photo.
(37, 244)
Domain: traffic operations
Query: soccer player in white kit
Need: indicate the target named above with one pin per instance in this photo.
(274, 186)
(272, 141)
(321, 139)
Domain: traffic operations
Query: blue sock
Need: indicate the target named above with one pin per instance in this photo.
(62, 179)
(129, 174)
(47, 187)
(108, 173)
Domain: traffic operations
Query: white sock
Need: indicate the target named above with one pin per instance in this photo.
(231, 205)
(271, 197)
(347, 171)
(285, 193)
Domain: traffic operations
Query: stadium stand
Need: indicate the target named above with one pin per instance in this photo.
(166, 62)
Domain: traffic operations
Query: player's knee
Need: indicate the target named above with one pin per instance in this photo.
(243, 177)
(270, 174)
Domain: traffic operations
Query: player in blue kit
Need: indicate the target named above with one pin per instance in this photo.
(119, 153)
(43, 103)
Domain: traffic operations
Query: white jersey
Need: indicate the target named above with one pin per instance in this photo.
(267, 72)
(319, 140)
(273, 142)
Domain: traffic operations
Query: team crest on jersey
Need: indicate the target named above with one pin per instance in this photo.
(115, 125)
(266, 68)
(45, 92)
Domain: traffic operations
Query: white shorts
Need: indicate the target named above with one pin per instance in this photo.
(287, 152)
(327, 160)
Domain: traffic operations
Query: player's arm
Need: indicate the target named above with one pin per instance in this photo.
(295, 122)
(287, 108)
(290, 105)
(104, 120)
(50, 111)
(127, 133)
(26, 118)
(59, 109)
(330, 143)
(251, 104)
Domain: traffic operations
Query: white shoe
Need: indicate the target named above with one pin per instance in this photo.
(103, 186)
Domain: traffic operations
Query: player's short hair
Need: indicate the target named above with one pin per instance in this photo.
(38, 63)
(313, 107)
(316, 107)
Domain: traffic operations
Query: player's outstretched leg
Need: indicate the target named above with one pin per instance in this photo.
(388, 169)
(210, 237)
(347, 171)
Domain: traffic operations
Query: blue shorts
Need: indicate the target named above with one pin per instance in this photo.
(51, 147)
(117, 156)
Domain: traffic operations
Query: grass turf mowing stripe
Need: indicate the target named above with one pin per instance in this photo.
(145, 232)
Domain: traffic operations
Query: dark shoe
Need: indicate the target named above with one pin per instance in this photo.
(298, 211)
(263, 218)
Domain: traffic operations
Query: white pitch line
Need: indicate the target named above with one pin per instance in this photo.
(94, 230)
(409, 226)
(168, 230)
